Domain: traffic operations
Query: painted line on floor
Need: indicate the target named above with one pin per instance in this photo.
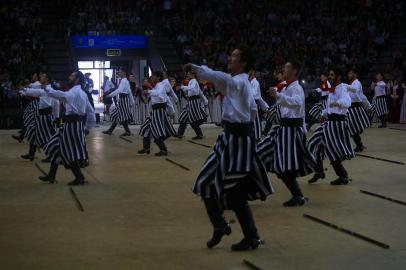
(92, 176)
(347, 231)
(177, 164)
(125, 139)
(250, 264)
(40, 169)
(402, 129)
(76, 199)
(383, 197)
(201, 144)
(381, 159)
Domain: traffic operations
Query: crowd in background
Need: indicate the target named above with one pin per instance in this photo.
(318, 33)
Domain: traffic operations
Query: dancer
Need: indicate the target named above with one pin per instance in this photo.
(68, 146)
(261, 104)
(123, 112)
(332, 138)
(273, 115)
(157, 125)
(193, 113)
(358, 118)
(233, 172)
(380, 103)
(284, 151)
(48, 111)
(316, 110)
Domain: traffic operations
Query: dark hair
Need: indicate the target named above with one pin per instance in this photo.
(79, 76)
(247, 57)
(338, 71)
(324, 73)
(158, 74)
(124, 70)
(296, 66)
(354, 70)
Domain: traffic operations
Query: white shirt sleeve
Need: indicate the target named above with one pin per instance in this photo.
(344, 99)
(289, 101)
(222, 81)
(119, 90)
(34, 92)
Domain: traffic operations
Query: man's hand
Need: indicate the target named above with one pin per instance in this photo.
(272, 91)
(322, 119)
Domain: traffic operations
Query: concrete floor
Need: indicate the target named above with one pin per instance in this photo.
(139, 212)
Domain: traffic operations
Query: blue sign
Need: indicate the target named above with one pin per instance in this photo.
(110, 42)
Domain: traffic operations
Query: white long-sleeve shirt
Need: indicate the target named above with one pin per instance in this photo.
(123, 88)
(193, 89)
(158, 94)
(238, 104)
(35, 85)
(169, 90)
(108, 85)
(256, 92)
(355, 91)
(45, 101)
(380, 88)
(76, 103)
(341, 97)
(292, 101)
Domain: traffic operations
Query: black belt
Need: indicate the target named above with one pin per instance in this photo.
(291, 122)
(336, 117)
(45, 111)
(324, 97)
(193, 97)
(157, 106)
(383, 96)
(356, 104)
(71, 118)
(122, 95)
(239, 129)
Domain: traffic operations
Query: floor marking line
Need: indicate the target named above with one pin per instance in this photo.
(76, 199)
(250, 264)
(177, 164)
(40, 169)
(382, 197)
(125, 139)
(381, 159)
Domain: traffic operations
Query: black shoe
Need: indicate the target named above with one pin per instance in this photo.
(18, 138)
(77, 182)
(108, 132)
(46, 160)
(382, 126)
(246, 244)
(144, 151)
(28, 156)
(218, 233)
(180, 137)
(47, 178)
(199, 137)
(316, 177)
(340, 181)
(125, 134)
(161, 153)
(295, 201)
(359, 149)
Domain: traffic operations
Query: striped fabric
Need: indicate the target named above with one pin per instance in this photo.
(45, 128)
(316, 110)
(233, 161)
(257, 127)
(358, 119)
(332, 138)
(68, 145)
(123, 111)
(30, 121)
(285, 150)
(193, 112)
(158, 124)
(274, 115)
(380, 106)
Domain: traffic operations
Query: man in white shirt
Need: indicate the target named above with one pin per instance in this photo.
(193, 113)
(123, 112)
(358, 119)
(332, 138)
(233, 172)
(68, 147)
(261, 104)
(380, 103)
(107, 87)
(316, 110)
(284, 151)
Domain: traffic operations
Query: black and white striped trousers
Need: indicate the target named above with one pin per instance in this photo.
(380, 106)
(45, 128)
(285, 149)
(316, 110)
(233, 162)
(358, 119)
(274, 115)
(124, 110)
(332, 138)
(158, 124)
(193, 112)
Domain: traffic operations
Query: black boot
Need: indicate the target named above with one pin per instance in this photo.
(358, 142)
(31, 152)
(181, 130)
(127, 129)
(162, 147)
(146, 143)
(316, 177)
(111, 129)
(295, 201)
(218, 233)
(384, 119)
(50, 177)
(246, 244)
(340, 181)
(19, 138)
(79, 178)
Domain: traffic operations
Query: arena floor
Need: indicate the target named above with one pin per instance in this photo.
(139, 212)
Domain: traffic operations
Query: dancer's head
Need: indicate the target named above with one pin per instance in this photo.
(291, 70)
(240, 61)
(336, 74)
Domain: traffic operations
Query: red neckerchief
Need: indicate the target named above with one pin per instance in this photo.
(324, 86)
(280, 86)
(333, 88)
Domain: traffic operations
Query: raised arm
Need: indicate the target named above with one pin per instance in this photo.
(220, 79)
(59, 95)
(119, 90)
(34, 92)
